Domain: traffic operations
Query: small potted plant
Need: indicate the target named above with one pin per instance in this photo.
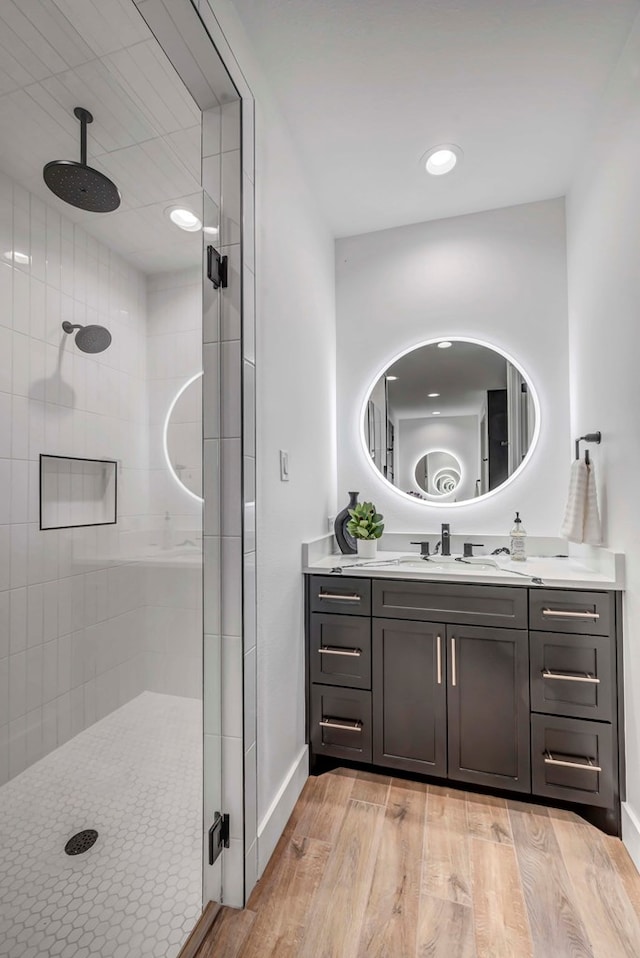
(366, 526)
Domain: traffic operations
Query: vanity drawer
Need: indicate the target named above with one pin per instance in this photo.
(558, 610)
(572, 760)
(572, 675)
(341, 722)
(491, 606)
(340, 650)
(340, 595)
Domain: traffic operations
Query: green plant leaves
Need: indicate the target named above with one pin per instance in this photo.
(365, 521)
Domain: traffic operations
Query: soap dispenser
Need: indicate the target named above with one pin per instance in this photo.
(518, 537)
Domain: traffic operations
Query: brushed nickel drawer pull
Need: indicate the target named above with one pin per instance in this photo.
(571, 677)
(454, 668)
(339, 598)
(354, 653)
(439, 658)
(558, 613)
(587, 766)
(354, 727)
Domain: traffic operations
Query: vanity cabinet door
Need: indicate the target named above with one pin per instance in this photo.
(488, 707)
(409, 696)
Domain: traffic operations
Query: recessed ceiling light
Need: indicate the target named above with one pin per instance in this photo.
(436, 413)
(391, 379)
(441, 159)
(15, 256)
(445, 344)
(211, 230)
(433, 395)
(185, 219)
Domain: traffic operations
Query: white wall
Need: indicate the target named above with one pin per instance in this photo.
(498, 276)
(603, 212)
(295, 399)
(71, 607)
(455, 434)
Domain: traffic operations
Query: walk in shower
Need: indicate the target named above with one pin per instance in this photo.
(103, 290)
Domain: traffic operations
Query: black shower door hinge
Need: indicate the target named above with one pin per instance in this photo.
(217, 268)
(218, 836)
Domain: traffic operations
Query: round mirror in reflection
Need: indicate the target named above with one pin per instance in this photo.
(438, 473)
(457, 398)
(183, 437)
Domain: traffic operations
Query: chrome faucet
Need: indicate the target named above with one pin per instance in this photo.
(446, 539)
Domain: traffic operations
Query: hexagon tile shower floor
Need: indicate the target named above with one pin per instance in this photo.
(137, 890)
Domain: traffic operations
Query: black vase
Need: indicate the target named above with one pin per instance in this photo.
(346, 542)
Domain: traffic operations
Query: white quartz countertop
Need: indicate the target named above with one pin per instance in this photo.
(549, 572)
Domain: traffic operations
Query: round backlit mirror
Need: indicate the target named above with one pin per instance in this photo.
(470, 406)
(438, 473)
(183, 437)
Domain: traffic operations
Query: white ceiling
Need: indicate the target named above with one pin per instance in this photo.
(146, 134)
(461, 374)
(368, 86)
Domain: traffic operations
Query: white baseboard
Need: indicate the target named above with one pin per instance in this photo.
(631, 833)
(272, 825)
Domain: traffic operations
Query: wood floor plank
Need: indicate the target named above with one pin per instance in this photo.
(488, 818)
(324, 811)
(445, 930)
(609, 917)
(229, 934)
(265, 884)
(417, 871)
(625, 868)
(282, 915)
(446, 870)
(501, 923)
(391, 918)
(337, 912)
(369, 787)
(556, 926)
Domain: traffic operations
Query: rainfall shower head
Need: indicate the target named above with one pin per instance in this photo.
(79, 184)
(90, 339)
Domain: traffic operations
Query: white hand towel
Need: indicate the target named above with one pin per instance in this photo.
(582, 518)
(592, 528)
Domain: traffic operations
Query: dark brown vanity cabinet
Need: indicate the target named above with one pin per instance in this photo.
(488, 707)
(506, 687)
(409, 696)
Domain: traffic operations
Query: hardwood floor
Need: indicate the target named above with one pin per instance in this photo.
(375, 867)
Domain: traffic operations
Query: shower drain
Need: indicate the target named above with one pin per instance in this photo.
(81, 842)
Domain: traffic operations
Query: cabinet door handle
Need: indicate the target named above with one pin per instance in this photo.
(439, 658)
(571, 677)
(586, 766)
(353, 727)
(560, 614)
(454, 669)
(339, 598)
(354, 653)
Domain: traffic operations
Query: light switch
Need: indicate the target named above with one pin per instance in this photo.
(284, 466)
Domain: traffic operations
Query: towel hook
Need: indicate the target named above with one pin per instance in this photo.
(588, 437)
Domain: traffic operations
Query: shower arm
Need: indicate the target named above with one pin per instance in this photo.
(85, 118)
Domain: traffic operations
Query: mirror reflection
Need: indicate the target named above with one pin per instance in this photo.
(450, 421)
(438, 473)
(183, 436)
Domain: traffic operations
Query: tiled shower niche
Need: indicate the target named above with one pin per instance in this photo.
(77, 492)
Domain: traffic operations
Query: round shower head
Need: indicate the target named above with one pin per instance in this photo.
(90, 339)
(79, 184)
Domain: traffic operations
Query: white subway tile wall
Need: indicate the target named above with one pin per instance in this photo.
(90, 617)
(173, 637)
(74, 600)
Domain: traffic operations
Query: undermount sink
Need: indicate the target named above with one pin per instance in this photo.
(446, 564)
